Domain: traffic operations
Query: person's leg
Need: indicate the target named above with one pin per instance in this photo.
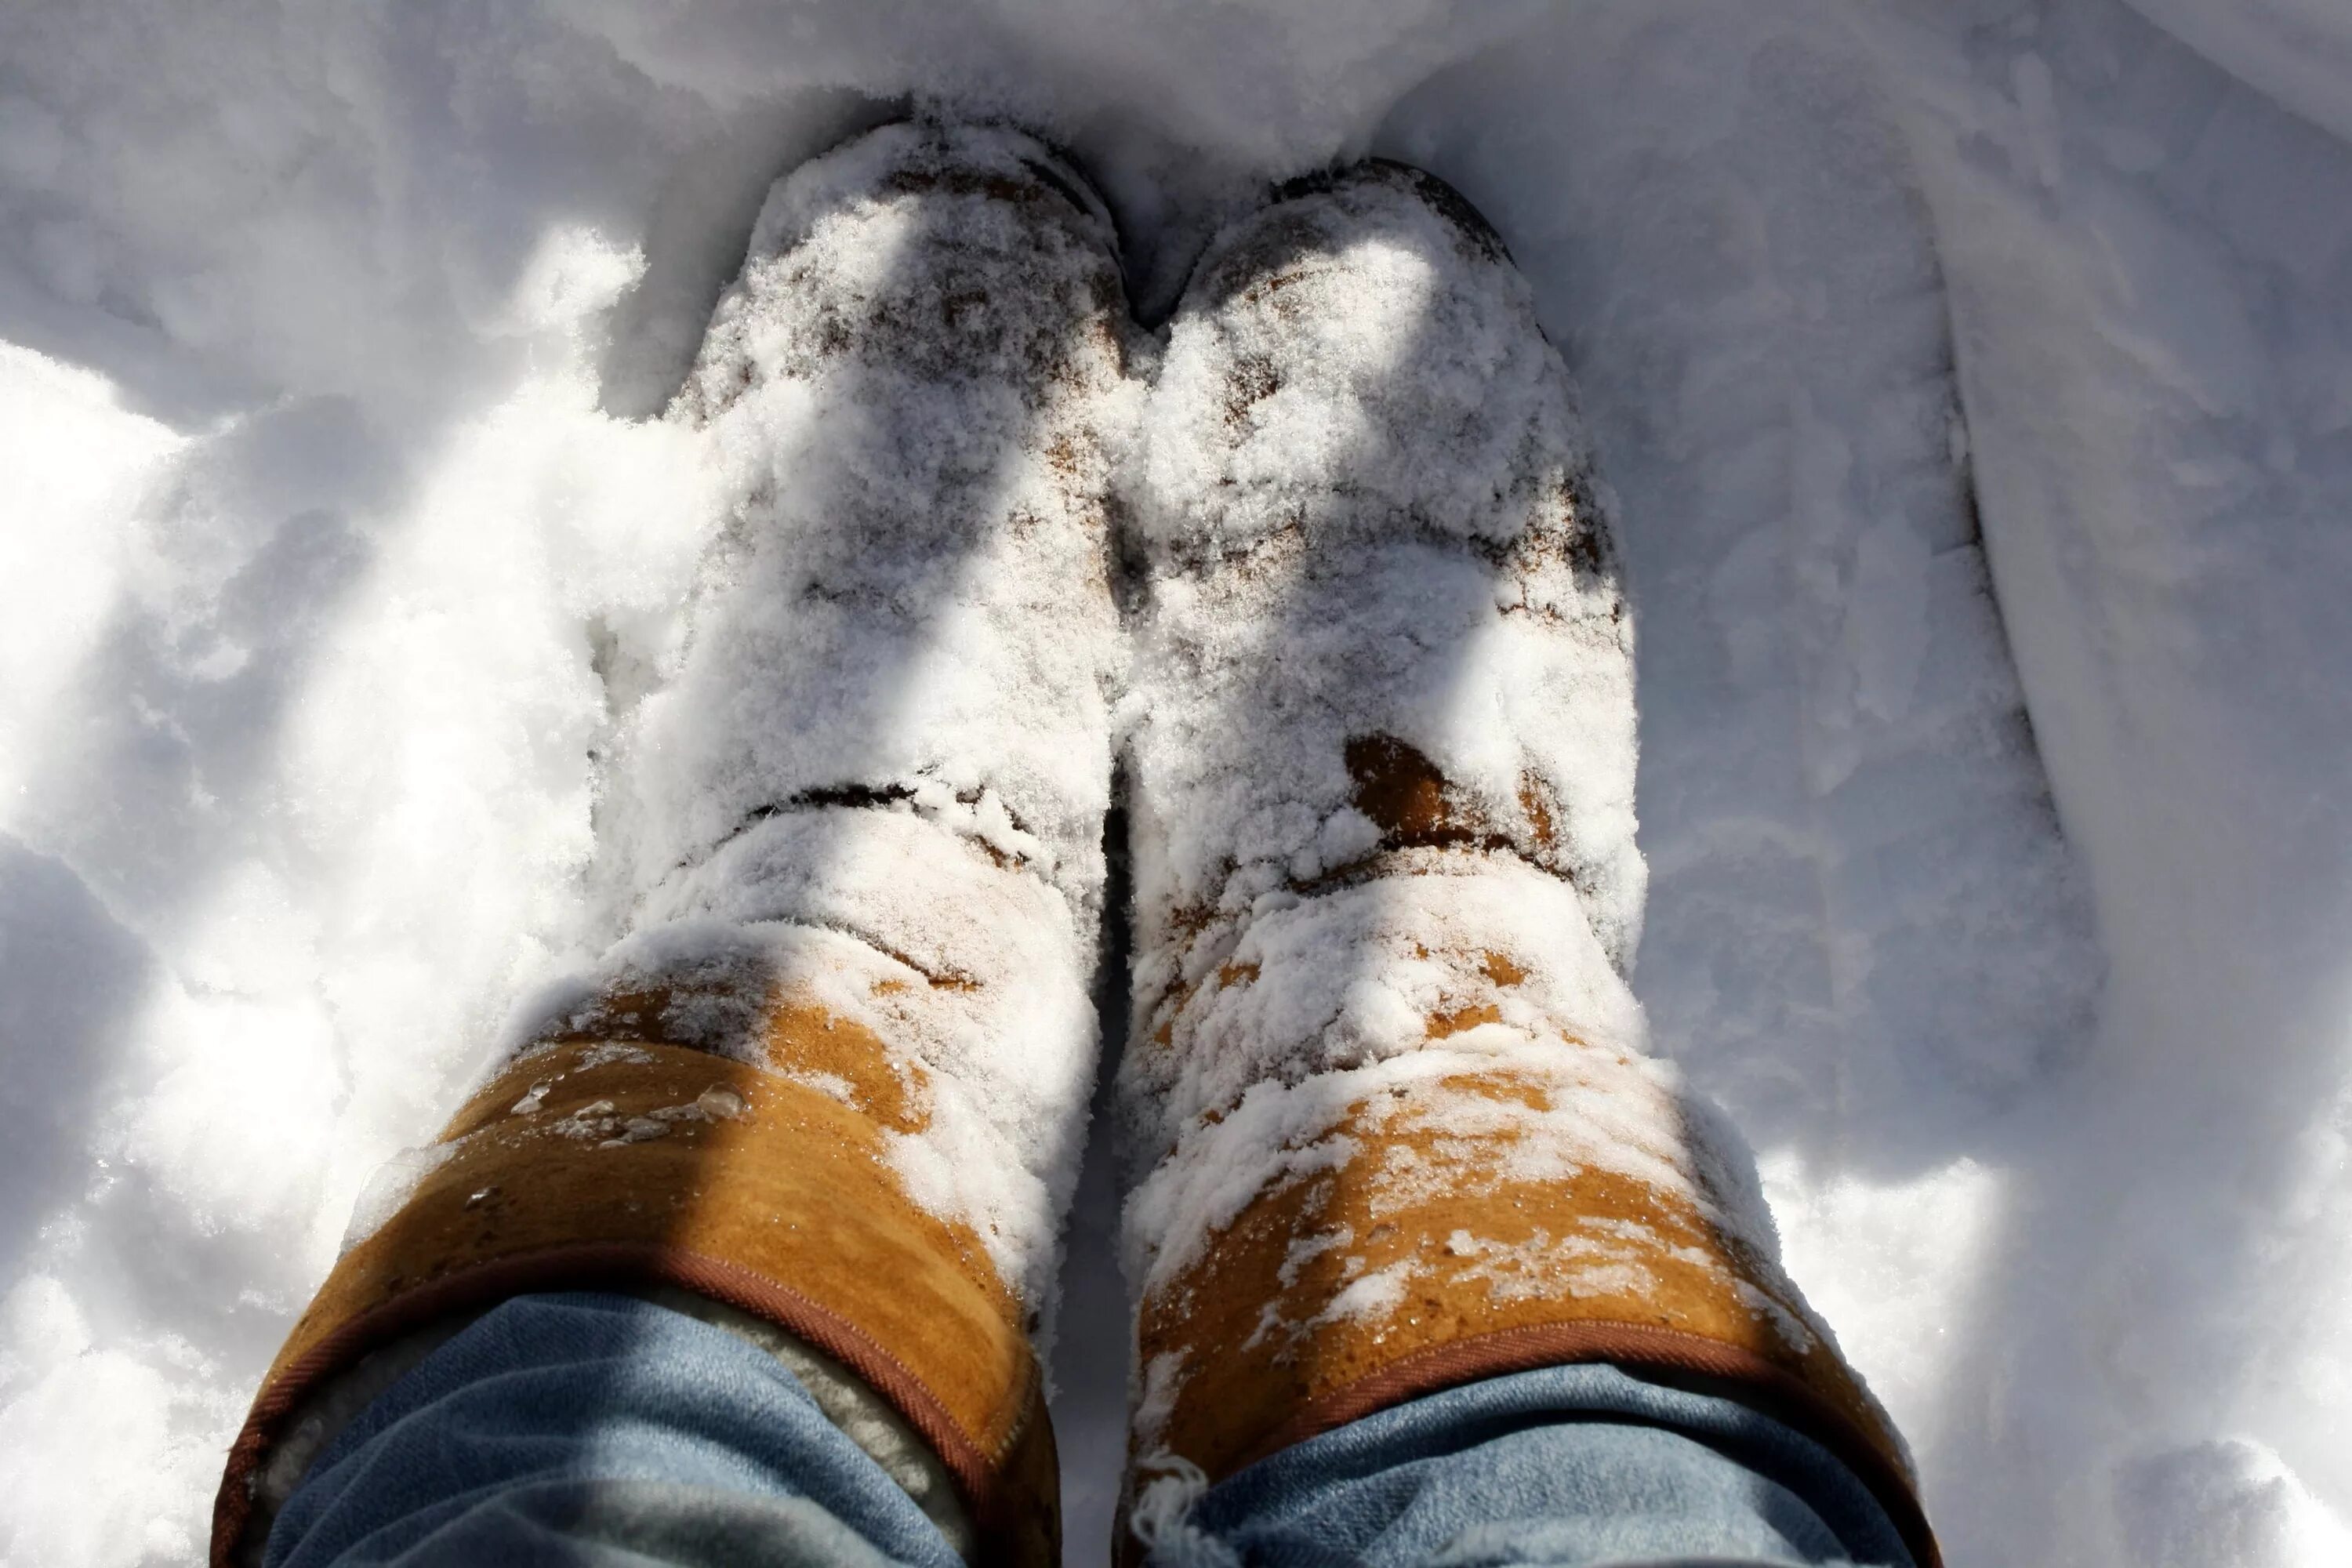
(1579, 1465)
(593, 1429)
(835, 1075)
(1394, 1126)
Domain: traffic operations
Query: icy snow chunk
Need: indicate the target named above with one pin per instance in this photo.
(1629, 1278)
(636, 1130)
(392, 1185)
(604, 1052)
(1159, 1381)
(593, 1120)
(1516, 1271)
(1372, 1295)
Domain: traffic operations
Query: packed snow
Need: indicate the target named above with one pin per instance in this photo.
(1974, 381)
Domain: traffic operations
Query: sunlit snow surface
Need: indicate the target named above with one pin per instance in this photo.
(333, 531)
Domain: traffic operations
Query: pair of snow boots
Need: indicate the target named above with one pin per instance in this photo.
(1327, 561)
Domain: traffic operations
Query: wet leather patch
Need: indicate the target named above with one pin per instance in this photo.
(1381, 1276)
(618, 1160)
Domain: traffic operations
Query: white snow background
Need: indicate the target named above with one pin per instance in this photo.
(336, 523)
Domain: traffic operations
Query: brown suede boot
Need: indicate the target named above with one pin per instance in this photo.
(1394, 1123)
(834, 1078)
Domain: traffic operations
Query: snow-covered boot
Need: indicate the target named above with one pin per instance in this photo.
(1393, 1124)
(834, 1074)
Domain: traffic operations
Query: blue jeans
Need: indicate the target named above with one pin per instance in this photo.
(593, 1431)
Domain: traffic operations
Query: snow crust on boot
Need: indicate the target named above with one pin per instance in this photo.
(1391, 1120)
(1385, 711)
(878, 780)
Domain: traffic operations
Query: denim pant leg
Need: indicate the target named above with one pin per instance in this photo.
(1570, 1465)
(593, 1431)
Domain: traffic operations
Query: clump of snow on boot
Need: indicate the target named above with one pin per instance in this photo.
(878, 778)
(1382, 632)
(1383, 768)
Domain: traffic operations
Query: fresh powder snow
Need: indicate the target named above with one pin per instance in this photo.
(1971, 382)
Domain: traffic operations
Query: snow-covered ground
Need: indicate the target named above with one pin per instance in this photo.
(1976, 380)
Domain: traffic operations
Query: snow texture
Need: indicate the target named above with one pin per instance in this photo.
(1975, 380)
(1376, 580)
(876, 779)
(1382, 758)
